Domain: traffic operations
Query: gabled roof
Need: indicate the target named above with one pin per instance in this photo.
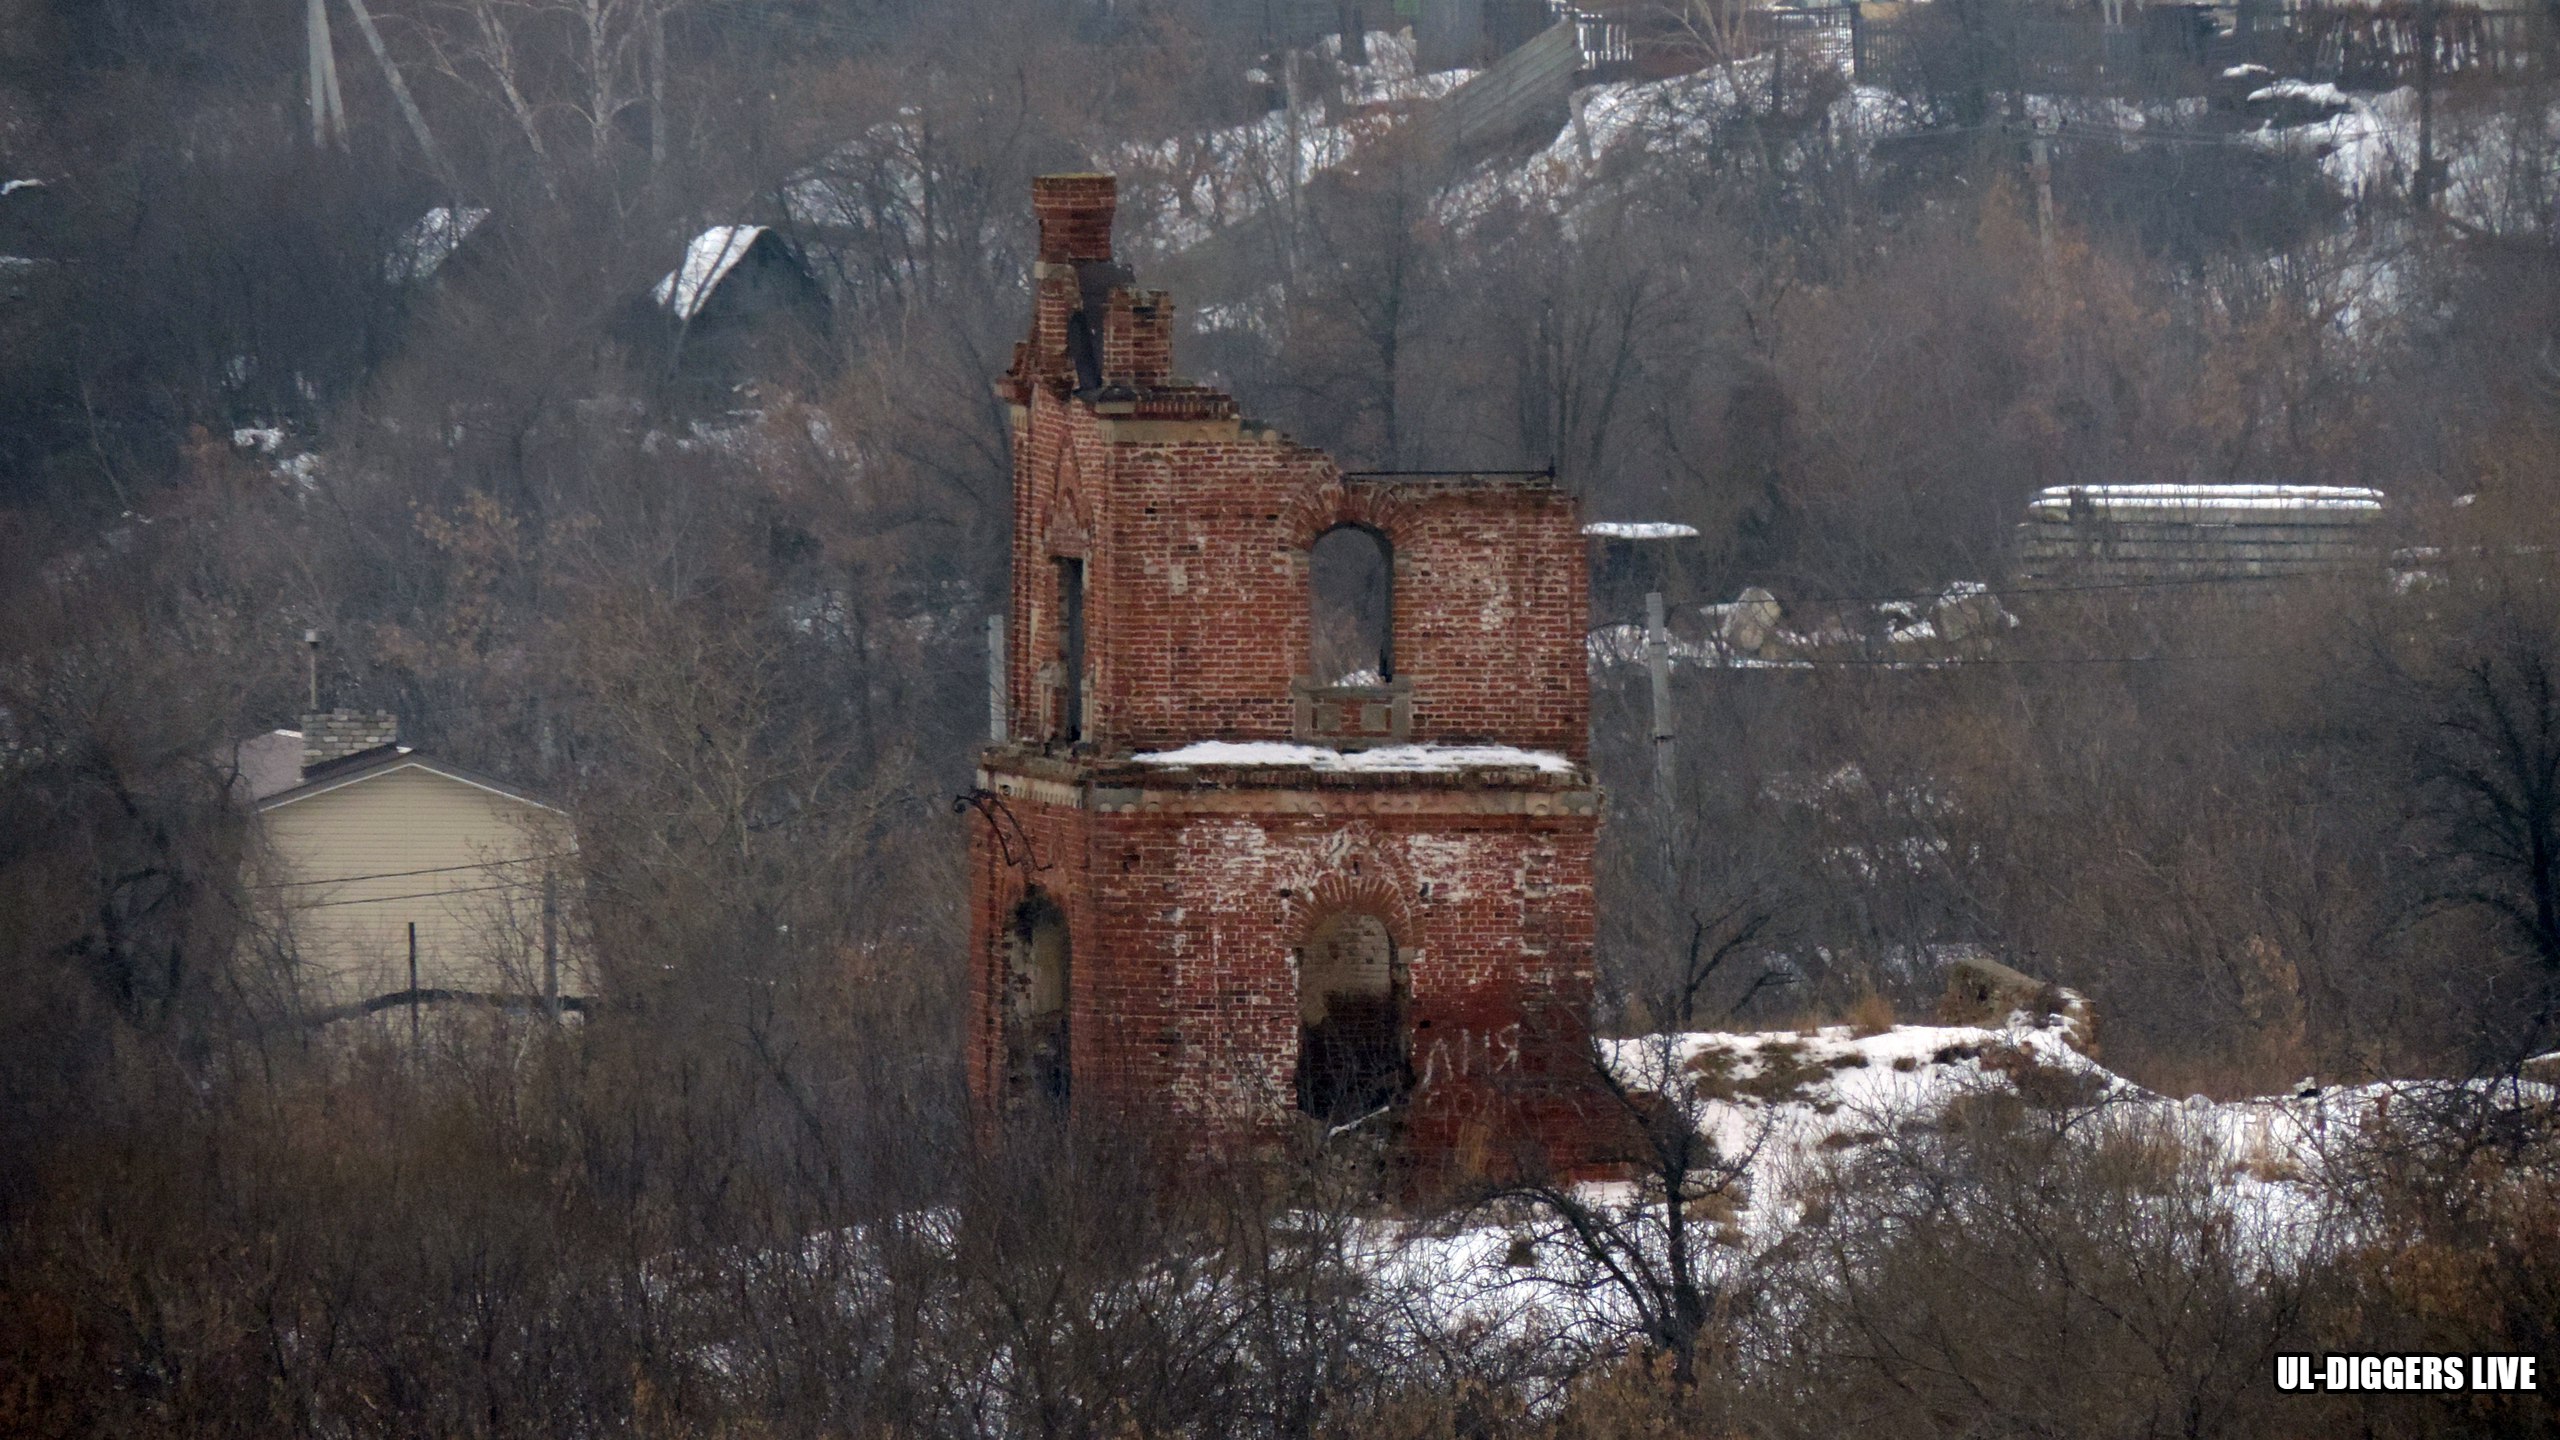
(424, 247)
(707, 261)
(391, 760)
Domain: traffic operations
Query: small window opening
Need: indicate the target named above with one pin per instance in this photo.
(1036, 1004)
(1351, 587)
(1352, 1052)
(1071, 650)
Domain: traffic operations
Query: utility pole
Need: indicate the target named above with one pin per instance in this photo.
(328, 108)
(413, 991)
(551, 945)
(2040, 157)
(1289, 109)
(657, 90)
(999, 725)
(1657, 659)
(399, 87)
(2424, 190)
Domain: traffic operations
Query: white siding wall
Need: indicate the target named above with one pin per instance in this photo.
(460, 861)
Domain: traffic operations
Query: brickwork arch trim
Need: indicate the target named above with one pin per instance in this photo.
(1331, 505)
(1360, 879)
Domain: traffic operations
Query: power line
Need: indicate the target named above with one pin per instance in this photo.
(404, 874)
(413, 895)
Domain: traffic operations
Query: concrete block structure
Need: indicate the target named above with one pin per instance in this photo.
(1246, 856)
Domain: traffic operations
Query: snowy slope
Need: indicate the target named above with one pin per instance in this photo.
(1789, 1109)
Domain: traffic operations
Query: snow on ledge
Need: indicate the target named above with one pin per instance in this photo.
(1640, 530)
(1405, 759)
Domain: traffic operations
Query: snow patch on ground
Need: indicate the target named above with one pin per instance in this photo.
(1185, 188)
(1787, 1108)
(2304, 92)
(2495, 161)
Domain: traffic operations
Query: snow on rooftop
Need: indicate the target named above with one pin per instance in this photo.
(426, 245)
(2058, 499)
(1406, 759)
(1640, 530)
(707, 261)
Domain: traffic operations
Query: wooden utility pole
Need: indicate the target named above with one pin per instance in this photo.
(551, 945)
(2423, 190)
(2040, 157)
(413, 990)
(1657, 659)
(657, 90)
(328, 108)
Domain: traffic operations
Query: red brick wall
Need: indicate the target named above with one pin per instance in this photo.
(1195, 534)
(1186, 899)
(1197, 606)
(1182, 992)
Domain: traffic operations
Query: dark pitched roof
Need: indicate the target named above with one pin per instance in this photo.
(386, 760)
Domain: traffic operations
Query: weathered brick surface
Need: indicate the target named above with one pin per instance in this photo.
(1187, 893)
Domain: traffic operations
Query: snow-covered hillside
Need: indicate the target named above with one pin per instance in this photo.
(1792, 1113)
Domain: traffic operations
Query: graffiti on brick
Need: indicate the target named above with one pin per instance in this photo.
(1471, 1054)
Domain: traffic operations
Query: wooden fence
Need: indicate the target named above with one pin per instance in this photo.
(2184, 48)
(1527, 87)
(2387, 44)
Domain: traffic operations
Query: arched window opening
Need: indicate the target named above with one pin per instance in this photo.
(1036, 1003)
(1352, 1051)
(1071, 649)
(1351, 588)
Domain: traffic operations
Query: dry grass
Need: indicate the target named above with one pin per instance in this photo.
(1872, 1015)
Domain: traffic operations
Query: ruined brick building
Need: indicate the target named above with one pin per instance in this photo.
(1239, 863)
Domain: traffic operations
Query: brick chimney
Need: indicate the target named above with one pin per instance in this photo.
(1075, 216)
(337, 734)
(1137, 338)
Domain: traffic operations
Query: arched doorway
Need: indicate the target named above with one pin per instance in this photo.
(1353, 1054)
(1036, 988)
